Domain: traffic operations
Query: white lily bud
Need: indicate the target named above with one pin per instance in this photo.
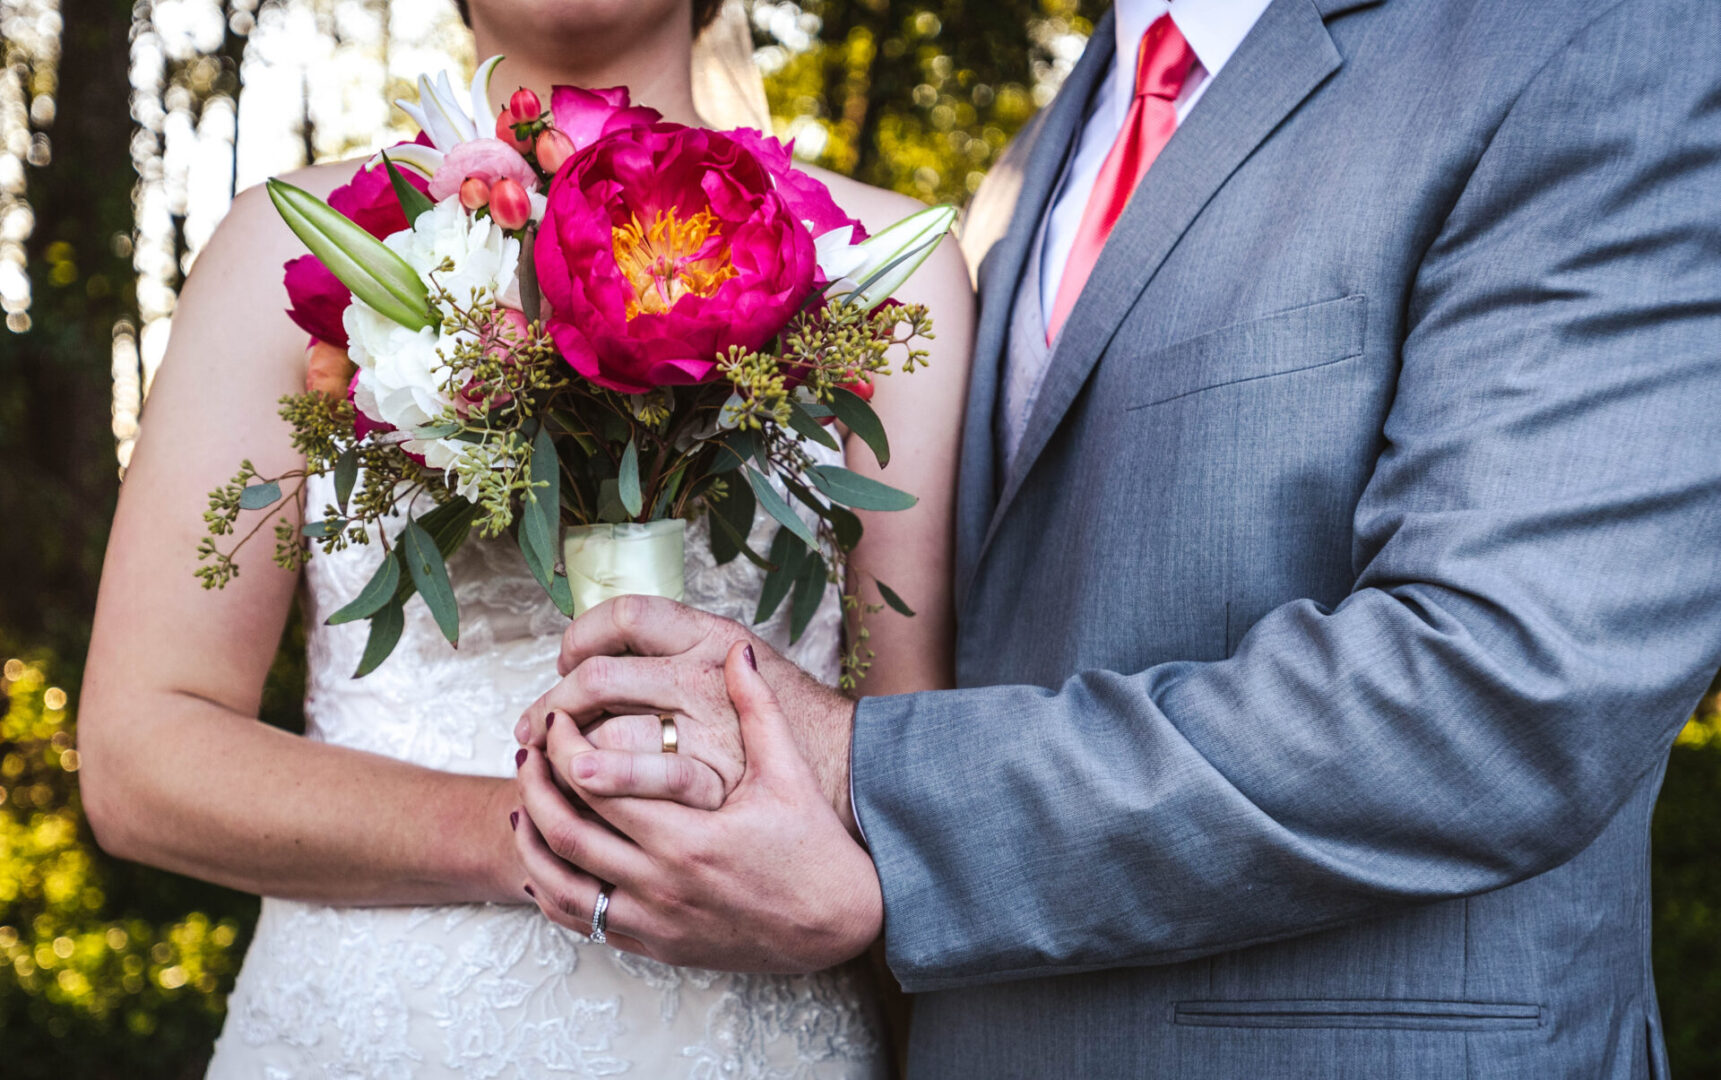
(869, 272)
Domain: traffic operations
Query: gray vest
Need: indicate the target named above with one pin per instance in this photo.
(1027, 356)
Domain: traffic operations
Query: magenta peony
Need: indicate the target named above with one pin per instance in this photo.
(807, 199)
(317, 297)
(585, 116)
(663, 246)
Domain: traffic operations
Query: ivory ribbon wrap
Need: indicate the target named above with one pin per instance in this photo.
(606, 561)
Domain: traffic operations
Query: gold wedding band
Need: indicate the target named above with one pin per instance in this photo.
(671, 737)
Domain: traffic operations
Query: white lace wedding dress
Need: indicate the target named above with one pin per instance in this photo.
(485, 991)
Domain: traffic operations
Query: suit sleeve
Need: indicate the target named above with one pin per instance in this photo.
(1536, 610)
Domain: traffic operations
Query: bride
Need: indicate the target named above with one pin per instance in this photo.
(395, 940)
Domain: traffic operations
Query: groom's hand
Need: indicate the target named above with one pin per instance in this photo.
(770, 881)
(631, 659)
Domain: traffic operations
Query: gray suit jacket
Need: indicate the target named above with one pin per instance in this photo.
(1321, 655)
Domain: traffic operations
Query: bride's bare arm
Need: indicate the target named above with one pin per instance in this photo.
(912, 551)
(178, 772)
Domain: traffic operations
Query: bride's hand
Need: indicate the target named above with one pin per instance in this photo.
(630, 661)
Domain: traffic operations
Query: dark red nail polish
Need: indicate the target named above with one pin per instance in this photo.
(520, 757)
(752, 662)
(514, 819)
(530, 893)
(549, 721)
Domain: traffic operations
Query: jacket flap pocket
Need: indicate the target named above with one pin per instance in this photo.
(1359, 1013)
(1306, 337)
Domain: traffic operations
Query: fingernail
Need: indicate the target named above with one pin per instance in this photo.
(530, 893)
(549, 721)
(513, 819)
(584, 770)
(520, 757)
(522, 730)
(752, 662)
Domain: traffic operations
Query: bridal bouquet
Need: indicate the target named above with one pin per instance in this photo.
(581, 328)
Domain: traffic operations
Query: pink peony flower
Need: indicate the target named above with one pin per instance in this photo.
(807, 199)
(664, 246)
(585, 116)
(487, 159)
(316, 296)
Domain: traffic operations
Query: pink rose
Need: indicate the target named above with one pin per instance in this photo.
(316, 296)
(661, 248)
(487, 159)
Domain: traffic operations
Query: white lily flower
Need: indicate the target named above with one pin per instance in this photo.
(441, 115)
(880, 263)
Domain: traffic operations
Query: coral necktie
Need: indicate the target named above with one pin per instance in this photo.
(1162, 65)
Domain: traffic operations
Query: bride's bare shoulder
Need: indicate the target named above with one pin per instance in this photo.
(252, 219)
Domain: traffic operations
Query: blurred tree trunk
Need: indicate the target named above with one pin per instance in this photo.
(58, 485)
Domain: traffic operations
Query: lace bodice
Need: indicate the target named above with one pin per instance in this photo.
(489, 991)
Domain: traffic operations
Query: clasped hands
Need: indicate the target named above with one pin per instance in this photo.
(738, 851)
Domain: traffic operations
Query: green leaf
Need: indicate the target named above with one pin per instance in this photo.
(777, 508)
(610, 508)
(541, 509)
(530, 294)
(316, 530)
(892, 599)
(810, 585)
(847, 527)
(732, 521)
(807, 426)
(436, 431)
(786, 555)
(430, 576)
(385, 628)
(858, 417)
(666, 498)
(733, 450)
(375, 273)
(413, 202)
(857, 491)
(562, 595)
(378, 593)
(449, 524)
(259, 496)
(346, 476)
(627, 480)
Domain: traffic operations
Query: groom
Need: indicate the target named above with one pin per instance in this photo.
(1338, 559)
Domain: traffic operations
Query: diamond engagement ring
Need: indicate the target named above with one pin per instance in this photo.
(600, 914)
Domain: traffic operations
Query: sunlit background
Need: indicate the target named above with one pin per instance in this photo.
(125, 129)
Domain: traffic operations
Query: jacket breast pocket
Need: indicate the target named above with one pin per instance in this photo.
(1361, 1013)
(1299, 339)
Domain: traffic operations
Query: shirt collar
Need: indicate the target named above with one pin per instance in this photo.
(1213, 28)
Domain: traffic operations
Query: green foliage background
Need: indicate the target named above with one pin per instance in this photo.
(108, 969)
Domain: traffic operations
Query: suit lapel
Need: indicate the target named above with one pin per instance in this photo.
(1052, 137)
(1284, 58)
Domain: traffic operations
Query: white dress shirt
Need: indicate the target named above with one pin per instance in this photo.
(1213, 28)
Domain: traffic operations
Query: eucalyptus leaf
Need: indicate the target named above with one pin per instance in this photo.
(847, 527)
(892, 599)
(430, 576)
(859, 417)
(562, 595)
(346, 476)
(610, 509)
(450, 524)
(810, 585)
(808, 427)
(378, 593)
(385, 628)
(786, 554)
(260, 496)
(627, 480)
(732, 521)
(541, 509)
(775, 506)
(733, 450)
(413, 202)
(857, 491)
(317, 530)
